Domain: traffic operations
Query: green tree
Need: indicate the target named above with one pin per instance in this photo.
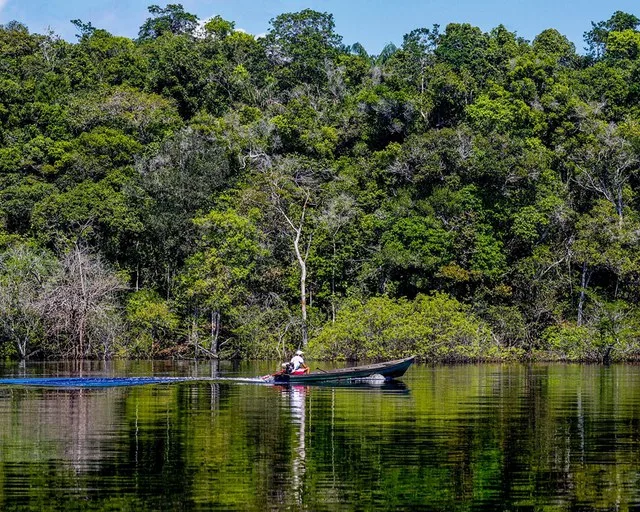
(171, 19)
(153, 326)
(179, 181)
(299, 44)
(597, 37)
(217, 278)
(434, 327)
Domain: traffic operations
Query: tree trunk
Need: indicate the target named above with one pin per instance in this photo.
(215, 332)
(81, 327)
(303, 276)
(303, 300)
(83, 312)
(194, 334)
(619, 207)
(302, 261)
(583, 287)
(333, 284)
(22, 349)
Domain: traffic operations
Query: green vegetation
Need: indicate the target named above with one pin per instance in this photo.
(198, 191)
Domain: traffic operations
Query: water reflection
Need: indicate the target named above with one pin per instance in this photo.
(296, 398)
(479, 437)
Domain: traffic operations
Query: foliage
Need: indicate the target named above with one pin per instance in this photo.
(152, 326)
(430, 327)
(299, 44)
(172, 19)
(466, 195)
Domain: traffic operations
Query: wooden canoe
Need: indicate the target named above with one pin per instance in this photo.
(389, 370)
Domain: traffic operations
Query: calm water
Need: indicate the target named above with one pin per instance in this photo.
(486, 437)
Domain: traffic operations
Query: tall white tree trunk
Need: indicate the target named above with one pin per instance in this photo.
(302, 261)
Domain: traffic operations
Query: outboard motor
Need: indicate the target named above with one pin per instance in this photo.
(288, 368)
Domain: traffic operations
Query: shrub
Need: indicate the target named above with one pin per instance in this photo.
(434, 327)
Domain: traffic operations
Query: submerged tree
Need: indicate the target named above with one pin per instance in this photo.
(80, 306)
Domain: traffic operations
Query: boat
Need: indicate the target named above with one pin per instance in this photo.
(388, 370)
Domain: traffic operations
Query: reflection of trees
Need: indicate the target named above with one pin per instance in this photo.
(72, 419)
(469, 436)
(51, 440)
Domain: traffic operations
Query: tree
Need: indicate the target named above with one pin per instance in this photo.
(414, 64)
(169, 20)
(336, 215)
(217, 278)
(623, 45)
(464, 46)
(420, 45)
(597, 37)
(298, 45)
(606, 243)
(219, 28)
(147, 118)
(101, 58)
(80, 306)
(101, 214)
(430, 326)
(180, 181)
(85, 30)
(606, 164)
(550, 42)
(291, 186)
(152, 325)
(24, 275)
(178, 71)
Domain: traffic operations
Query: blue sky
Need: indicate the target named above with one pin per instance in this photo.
(373, 23)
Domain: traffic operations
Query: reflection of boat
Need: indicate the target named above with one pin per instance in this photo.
(384, 386)
(387, 370)
(390, 385)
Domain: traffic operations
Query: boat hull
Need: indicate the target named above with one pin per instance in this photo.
(389, 370)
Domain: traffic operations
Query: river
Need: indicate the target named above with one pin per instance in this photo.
(472, 437)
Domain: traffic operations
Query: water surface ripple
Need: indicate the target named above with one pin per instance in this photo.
(486, 437)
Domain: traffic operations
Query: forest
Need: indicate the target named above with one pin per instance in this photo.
(202, 192)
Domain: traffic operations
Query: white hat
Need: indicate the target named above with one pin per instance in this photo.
(299, 352)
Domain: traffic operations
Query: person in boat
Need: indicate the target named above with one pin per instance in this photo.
(297, 363)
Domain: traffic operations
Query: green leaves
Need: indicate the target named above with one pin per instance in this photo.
(501, 112)
(416, 243)
(169, 20)
(598, 37)
(298, 45)
(242, 180)
(432, 327)
(153, 325)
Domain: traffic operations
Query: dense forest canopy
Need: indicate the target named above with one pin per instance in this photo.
(201, 191)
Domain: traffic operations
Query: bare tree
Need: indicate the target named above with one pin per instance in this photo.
(81, 296)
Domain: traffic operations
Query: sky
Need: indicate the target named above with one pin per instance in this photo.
(373, 23)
